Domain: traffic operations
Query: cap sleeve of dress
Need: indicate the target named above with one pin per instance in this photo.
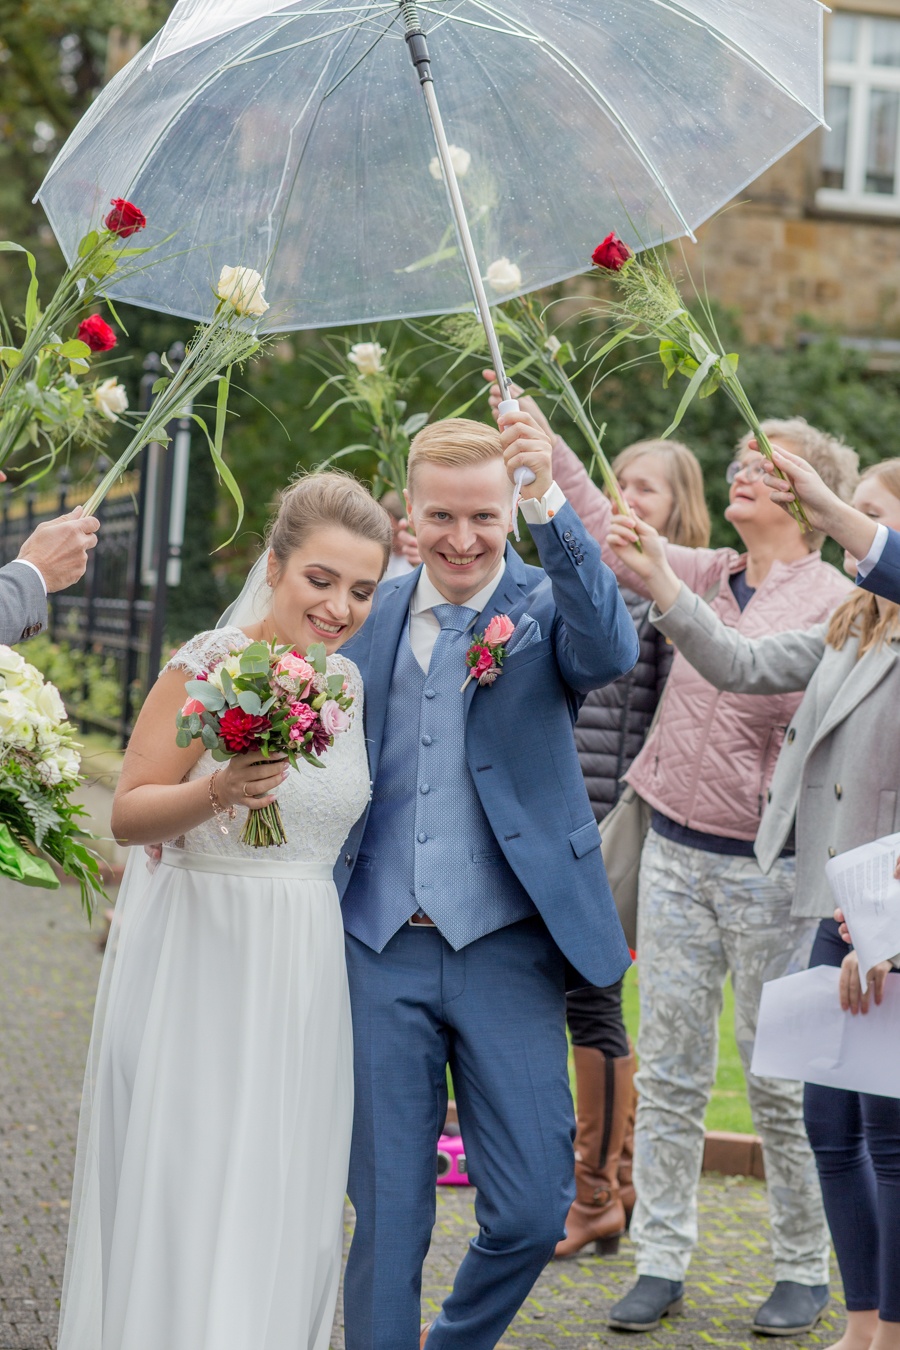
(201, 653)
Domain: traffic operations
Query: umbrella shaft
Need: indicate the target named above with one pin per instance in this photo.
(418, 51)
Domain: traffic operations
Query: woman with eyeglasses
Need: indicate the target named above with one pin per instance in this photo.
(705, 907)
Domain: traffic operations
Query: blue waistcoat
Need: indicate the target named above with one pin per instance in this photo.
(428, 844)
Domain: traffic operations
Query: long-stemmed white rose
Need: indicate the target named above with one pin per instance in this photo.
(212, 352)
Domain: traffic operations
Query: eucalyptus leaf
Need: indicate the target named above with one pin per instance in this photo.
(255, 659)
(267, 705)
(316, 657)
(194, 724)
(334, 684)
(209, 738)
(183, 739)
(227, 684)
(220, 754)
(250, 702)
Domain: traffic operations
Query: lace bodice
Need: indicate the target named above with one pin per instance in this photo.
(318, 806)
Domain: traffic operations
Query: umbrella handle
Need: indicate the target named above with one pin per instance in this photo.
(522, 476)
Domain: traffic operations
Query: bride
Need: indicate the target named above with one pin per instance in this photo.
(215, 1128)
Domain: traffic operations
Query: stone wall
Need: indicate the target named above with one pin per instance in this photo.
(781, 262)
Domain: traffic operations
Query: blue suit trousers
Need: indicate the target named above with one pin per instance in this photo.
(496, 1012)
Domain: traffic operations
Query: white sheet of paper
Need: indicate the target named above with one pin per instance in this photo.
(863, 885)
(803, 1033)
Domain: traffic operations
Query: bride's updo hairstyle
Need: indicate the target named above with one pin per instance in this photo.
(316, 501)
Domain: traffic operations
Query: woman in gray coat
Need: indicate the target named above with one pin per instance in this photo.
(836, 785)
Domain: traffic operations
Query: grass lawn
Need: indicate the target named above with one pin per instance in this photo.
(728, 1109)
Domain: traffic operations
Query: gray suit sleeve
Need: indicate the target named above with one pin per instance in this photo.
(780, 664)
(23, 604)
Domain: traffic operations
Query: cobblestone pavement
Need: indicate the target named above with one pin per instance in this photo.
(49, 965)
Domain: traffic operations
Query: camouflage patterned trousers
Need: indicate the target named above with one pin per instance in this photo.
(701, 915)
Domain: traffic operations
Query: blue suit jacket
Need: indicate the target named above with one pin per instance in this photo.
(519, 740)
(884, 578)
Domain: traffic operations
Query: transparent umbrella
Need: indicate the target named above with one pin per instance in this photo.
(291, 137)
(288, 137)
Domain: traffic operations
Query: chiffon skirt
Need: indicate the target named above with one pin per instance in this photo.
(211, 1191)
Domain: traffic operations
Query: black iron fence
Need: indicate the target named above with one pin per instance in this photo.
(103, 621)
(111, 625)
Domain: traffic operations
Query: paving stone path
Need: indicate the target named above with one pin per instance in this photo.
(49, 966)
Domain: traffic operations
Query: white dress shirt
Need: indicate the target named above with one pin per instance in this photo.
(423, 622)
(865, 565)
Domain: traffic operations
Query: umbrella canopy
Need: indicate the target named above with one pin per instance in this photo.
(291, 138)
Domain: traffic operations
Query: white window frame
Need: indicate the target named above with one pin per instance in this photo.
(861, 76)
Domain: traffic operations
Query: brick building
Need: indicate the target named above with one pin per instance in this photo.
(818, 235)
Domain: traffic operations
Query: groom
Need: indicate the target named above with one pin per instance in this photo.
(473, 886)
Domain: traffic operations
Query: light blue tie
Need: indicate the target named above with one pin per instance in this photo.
(454, 620)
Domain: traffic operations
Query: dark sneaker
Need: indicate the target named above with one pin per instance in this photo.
(791, 1308)
(643, 1306)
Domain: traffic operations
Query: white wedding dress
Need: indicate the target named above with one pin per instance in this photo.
(215, 1130)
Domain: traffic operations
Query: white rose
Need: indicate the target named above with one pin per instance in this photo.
(552, 345)
(504, 276)
(232, 665)
(49, 704)
(66, 761)
(242, 287)
(366, 356)
(459, 158)
(11, 664)
(110, 399)
(16, 720)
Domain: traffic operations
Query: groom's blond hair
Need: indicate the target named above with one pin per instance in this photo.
(456, 441)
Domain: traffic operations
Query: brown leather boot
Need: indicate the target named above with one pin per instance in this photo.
(626, 1183)
(597, 1213)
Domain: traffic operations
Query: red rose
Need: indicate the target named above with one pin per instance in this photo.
(242, 731)
(124, 219)
(97, 333)
(611, 254)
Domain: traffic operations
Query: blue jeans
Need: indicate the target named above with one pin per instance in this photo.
(495, 1011)
(856, 1139)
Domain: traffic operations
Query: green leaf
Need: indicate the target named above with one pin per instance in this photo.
(183, 739)
(209, 738)
(215, 449)
(250, 702)
(730, 363)
(194, 724)
(88, 244)
(206, 693)
(75, 349)
(255, 659)
(220, 754)
(267, 705)
(315, 655)
(689, 394)
(10, 356)
(334, 684)
(414, 424)
(159, 385)
(227, 684)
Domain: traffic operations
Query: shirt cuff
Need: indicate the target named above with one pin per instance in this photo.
(873, 557)
(541, 510)
(34, 568)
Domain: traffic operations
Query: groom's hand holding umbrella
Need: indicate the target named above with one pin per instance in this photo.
(526, 443)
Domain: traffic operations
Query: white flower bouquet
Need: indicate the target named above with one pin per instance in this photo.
(39, 767)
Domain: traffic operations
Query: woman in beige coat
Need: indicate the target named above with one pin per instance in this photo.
(836, 785)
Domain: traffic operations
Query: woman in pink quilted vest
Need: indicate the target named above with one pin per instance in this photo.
(705, 907)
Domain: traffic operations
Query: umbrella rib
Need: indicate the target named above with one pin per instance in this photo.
(302, 42)
(630, 135)
(347, 73)
(728, 42)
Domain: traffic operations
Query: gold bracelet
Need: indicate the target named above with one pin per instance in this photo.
(219, 811)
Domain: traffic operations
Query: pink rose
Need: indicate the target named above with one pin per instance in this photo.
(334, 719)
(193, 705)
(305, 717)
(484, 662)
(295, 668)
(499, 630)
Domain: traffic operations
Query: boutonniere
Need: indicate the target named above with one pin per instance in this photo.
(485, 656)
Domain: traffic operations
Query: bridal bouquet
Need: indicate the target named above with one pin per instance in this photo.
(270, 699)
(39, 767)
